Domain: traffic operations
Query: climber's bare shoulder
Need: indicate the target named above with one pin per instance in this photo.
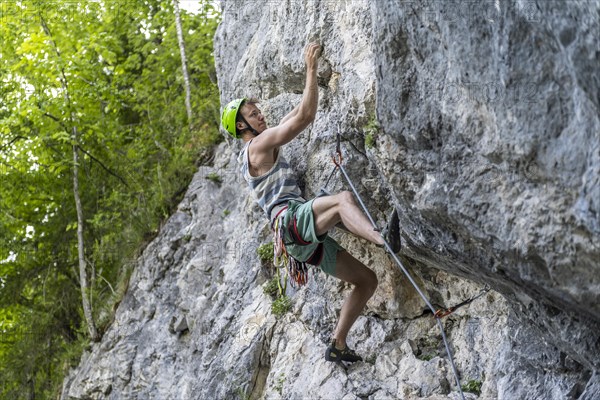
(275, 137)
(261, 156)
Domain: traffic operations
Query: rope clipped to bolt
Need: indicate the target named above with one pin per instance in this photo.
(441, 313)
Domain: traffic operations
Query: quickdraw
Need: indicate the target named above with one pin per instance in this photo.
(441, 313)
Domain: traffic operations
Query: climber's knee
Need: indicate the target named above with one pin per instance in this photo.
(371, 281)
(351, 270)
(346, 199)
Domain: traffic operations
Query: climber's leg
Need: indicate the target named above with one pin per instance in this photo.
(331, 210)
(350, 270)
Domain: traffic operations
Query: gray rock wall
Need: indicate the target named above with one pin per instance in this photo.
(488, 142)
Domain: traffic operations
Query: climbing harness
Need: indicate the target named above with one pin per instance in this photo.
(439, 314)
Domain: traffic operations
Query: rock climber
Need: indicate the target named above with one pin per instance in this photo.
(301, 227)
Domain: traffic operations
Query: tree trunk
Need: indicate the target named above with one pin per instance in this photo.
(186, 77)
(83, 280)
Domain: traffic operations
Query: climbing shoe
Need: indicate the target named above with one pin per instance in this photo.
(391, 234)
(338, 356)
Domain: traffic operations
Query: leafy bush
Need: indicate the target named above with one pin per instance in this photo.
(271, 288)
(281, 306)
(265, 252)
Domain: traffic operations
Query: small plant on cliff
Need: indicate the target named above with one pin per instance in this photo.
(428, 347)
(271, 288)
(274, 288)
(265, 252)
(473, 386)
(214, 177)
(282, 305)
(371, 132)
(279, 385)
(242, 394)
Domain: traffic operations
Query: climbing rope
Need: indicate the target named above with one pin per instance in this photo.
(438, 314)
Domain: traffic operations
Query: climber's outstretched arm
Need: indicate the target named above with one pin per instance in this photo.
(302, 116)
(290, 114)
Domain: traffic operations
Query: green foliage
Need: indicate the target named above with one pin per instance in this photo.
(279, 385)
(281, 303)
(426, 356)
(110, 70)
(271, 288)
(473, 386)
(371, 131)
(369, 140)
(242, 394)
(265, 252)
(281, 306)
(214, 177)
(428, 347)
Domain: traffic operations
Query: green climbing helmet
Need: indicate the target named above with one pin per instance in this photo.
(229, 116)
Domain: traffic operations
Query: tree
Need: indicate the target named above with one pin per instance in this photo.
(186, 77)
(89, 137)
(83, 274)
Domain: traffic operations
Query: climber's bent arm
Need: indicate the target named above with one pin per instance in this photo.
(302, 116)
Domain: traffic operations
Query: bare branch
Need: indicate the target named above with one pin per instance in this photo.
(104, 166)
(12, 141)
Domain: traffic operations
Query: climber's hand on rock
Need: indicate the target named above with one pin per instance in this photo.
(311, 55)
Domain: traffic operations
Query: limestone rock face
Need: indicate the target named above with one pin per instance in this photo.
(479, 122)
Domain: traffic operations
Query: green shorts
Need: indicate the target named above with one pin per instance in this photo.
(305, 226)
